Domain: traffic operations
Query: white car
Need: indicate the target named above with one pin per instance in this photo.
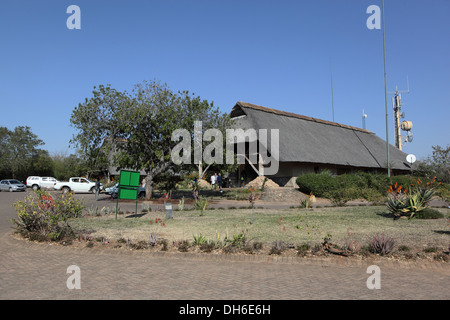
(37, 183)
(77, 184)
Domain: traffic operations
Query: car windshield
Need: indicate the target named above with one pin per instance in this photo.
(15, 182)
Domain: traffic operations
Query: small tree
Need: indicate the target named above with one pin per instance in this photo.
(438, 164)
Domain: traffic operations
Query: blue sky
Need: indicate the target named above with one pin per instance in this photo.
(272, 53)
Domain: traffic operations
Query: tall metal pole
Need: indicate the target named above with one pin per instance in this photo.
(332, 98)
(386, 99)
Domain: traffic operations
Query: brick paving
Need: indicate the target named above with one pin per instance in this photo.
(37, 271)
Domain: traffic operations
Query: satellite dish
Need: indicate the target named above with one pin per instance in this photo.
(406, 125)
(409, 136)
(411, 158)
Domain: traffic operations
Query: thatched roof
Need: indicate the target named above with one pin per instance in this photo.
(311, 140)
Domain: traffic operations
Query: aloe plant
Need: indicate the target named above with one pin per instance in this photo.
(200, 239)
(411, 203)
(416, 204)
(397, 204)
(201, 204)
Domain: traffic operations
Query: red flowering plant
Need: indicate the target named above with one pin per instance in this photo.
(252, 197)
(407, 202)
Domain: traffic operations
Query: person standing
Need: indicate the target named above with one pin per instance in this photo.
(195, 190)
(213, 181)
(219, 182)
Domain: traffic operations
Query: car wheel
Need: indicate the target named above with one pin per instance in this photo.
(66, 190)
(35, 187)
(10, 189)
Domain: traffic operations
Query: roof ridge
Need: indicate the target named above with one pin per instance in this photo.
(298, 116)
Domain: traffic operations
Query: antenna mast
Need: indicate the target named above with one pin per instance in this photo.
(364, 116)
(332, 98)
(405, 125)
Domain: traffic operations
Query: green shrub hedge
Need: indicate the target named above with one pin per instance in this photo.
(372, 187)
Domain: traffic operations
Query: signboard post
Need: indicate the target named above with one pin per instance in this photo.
(128, 186)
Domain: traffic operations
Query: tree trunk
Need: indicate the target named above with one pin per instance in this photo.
(148, 187)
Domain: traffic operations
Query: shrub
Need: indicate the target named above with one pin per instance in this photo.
(251, 247)
(381, 244)
(303, 249)
(350, 181)
(165, 244)
(341, 196)
(351, 245)
(207, 246)
(183, 245)
(277, 247)
(377, 182)
(46, 216)
(317, 183)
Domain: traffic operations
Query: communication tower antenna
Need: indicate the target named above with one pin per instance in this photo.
(405, 125)
(364, 116)
(332, 98)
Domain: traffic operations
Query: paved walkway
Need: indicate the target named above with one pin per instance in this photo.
(36, 271)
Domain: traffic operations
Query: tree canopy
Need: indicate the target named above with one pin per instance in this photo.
(19, 153)
(134, 130)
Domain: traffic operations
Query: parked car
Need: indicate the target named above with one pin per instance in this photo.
(77, 184)
(113, 191)
(12, 185)
(37, 183)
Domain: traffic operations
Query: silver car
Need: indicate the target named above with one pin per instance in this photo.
(114, 190)
(12, 185)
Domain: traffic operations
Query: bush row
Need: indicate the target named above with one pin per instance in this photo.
(360, 185)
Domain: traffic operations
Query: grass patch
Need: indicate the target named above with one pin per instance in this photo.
(295, 226)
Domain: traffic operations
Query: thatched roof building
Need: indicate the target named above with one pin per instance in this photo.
(309, 145)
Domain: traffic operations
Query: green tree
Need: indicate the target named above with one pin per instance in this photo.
(137, 128)
(18, 148)
(40, 164)
(66, 166)
(438, 164)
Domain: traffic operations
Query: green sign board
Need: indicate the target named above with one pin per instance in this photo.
(127, 193)
(129, 178)
(128, 184)
(128, 187)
